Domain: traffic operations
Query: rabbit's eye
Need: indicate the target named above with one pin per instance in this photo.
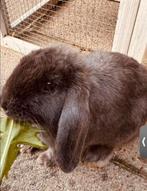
(49, 86)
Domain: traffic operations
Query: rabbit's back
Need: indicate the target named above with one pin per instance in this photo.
(115, 73)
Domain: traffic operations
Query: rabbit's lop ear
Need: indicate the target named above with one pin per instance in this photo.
(72, 129)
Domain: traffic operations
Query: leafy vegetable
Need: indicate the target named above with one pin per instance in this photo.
(12, 134)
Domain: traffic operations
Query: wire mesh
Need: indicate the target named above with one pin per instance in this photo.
(89, 24)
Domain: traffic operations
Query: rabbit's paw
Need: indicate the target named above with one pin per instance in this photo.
(102, 163)
(46, 158)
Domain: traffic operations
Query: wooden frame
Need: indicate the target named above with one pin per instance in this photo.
(131, 29)
(125, 25)
(138, 42)
(18, 45)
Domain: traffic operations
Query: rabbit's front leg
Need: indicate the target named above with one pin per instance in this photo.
(46, 158)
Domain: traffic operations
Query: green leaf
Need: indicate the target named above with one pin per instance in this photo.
(12, 134)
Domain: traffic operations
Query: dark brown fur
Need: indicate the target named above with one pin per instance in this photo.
(89, 104)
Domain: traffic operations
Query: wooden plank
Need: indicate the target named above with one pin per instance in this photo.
(3, 28)
(18, 45)
(139, 38)
(125, 25)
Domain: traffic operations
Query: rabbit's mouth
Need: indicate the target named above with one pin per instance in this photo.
(16, 110)
(19, 116)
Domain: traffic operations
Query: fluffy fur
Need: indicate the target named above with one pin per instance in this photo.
(88, 104)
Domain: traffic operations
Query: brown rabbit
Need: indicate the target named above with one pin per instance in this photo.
(88, 104)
